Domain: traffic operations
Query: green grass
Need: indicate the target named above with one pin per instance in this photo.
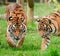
(32, 42)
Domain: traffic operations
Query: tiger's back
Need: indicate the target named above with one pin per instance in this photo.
(56, 17)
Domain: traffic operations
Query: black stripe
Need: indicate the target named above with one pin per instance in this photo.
(55, 15)
(50, 30)
(46, 44)
(48, 41)
(48, 38)
(54, 27)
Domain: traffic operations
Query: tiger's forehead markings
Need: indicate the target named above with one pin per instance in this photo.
(18, 13)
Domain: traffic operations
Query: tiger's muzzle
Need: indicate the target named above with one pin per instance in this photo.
(17, 32)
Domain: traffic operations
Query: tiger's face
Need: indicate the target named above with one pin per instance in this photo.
(44, 27)
(16, 28)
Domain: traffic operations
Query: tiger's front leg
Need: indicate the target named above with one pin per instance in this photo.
(45, 43)
(21, 40)
(10, 41)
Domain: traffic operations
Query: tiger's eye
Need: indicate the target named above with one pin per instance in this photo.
(22, 19)
(42, 22)
(10, 18)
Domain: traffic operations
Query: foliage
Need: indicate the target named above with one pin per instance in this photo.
(57, 1)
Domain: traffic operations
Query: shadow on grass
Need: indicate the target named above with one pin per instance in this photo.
(25, 47)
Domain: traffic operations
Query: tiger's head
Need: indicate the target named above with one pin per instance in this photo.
(16, 20)
(44, 26)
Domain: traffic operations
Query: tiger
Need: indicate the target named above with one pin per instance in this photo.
(16, 24)
(47, 26)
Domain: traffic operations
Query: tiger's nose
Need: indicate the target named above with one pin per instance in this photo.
(24, 30)
(17, 38)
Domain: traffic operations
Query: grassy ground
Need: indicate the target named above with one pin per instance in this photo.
(32, 43)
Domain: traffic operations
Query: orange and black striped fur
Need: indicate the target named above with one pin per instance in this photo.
(48, 26)
(16, 25)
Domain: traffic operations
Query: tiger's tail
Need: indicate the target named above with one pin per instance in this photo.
(45, 43)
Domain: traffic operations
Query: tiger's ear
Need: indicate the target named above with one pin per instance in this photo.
(10, 18)
(38, 20)
(49, 21)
